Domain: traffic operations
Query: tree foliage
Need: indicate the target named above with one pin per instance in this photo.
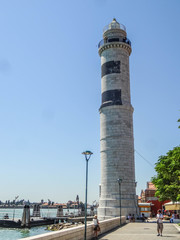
(167, 180)
(178, 121)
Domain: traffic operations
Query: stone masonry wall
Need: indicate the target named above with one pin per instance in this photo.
(77, 233)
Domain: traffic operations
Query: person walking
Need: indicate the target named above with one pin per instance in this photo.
(159, 218)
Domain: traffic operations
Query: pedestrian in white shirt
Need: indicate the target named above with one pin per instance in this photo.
(159, 223)
(96, 226)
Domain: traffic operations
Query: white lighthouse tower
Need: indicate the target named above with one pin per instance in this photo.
(116, 126)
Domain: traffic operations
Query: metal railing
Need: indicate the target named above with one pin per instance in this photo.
(123, 40)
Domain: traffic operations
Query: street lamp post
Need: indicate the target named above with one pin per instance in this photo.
(87, 155)
(136, 203)
(119, 182)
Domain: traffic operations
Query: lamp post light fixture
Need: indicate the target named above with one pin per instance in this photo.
(119, 180)
(87, 155)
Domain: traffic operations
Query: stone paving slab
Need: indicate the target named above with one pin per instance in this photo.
(142, 231)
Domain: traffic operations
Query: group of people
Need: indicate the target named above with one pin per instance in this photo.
(131, 218)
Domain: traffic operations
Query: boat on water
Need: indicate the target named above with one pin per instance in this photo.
(6, 216)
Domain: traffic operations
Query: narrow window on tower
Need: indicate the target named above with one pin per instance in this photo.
(110, 67)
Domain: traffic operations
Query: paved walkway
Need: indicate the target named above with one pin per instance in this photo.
(142, 231)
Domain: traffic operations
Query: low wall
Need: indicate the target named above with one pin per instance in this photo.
(77, 233)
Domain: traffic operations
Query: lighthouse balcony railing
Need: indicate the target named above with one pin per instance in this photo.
(114, 26)
(123, 40)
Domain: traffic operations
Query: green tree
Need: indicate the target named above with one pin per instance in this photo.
(167, 180)
(178, 121)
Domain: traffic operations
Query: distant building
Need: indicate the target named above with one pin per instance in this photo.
(142, 197)
(150, 192)
(148, 196)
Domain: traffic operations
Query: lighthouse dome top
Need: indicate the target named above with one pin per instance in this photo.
(114, 25)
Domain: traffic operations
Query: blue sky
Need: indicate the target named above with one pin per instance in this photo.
(50, 91)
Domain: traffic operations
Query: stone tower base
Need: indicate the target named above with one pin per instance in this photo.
(110, 208)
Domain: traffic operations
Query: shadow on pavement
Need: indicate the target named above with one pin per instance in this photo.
(100, 236)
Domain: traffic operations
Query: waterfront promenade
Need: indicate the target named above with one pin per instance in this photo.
(142, 231)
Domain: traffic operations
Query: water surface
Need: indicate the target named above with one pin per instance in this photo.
(14, 234)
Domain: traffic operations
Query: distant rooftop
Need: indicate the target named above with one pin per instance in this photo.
(151, 186)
